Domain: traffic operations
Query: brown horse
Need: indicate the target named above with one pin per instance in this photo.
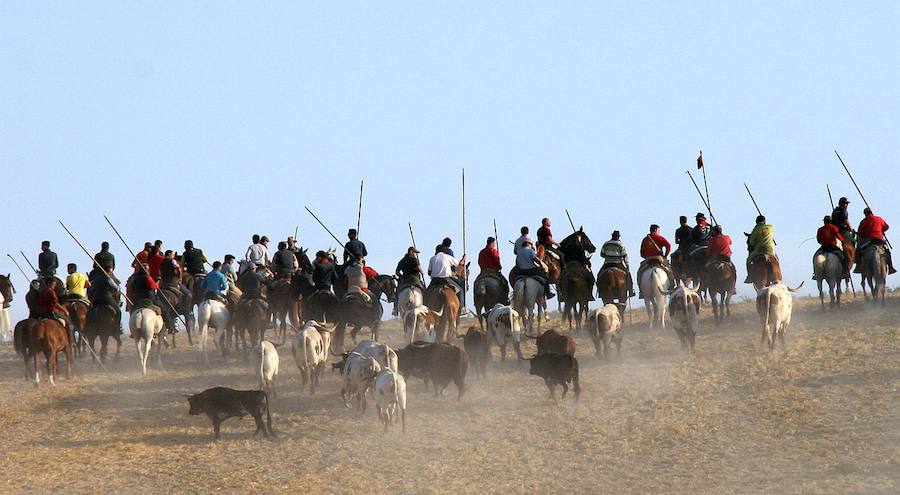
(765, 270)
(48, 336)
(78, 311)
(720, 281)
(250, 317)
(102, 322)
(577, 289)
(554, 264)
(22, 341)
(611, 286)
(681, 265)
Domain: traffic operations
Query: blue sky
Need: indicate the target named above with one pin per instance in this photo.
(214, 121)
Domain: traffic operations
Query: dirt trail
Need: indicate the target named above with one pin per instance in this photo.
(822, 416)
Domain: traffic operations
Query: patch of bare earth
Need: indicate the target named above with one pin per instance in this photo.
(822, 416)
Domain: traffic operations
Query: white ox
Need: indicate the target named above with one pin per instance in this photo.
(605, 326)
(774, 305)
(357, 376)
(382, 353)
(409, 298)
(419, 323)
(309, 346)
(504, 325)
(266, 356)
(684, 310)
(390, 398)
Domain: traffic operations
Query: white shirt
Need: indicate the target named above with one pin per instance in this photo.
(258, 254)
(441, 266)
(519, 241)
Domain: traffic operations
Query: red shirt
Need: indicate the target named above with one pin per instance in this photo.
(47, 300)
(829, 235)
(141, 258)
(151, 284)
(872, 227)
(719, 245)
(489, 259)
(154, 261)
(655, 245)
(544, 236)
(370, 273)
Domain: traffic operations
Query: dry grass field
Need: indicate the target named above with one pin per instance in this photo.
(822, 416)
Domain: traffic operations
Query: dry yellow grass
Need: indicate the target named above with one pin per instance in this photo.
(821, 416)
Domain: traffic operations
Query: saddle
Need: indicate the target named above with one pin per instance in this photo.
(768, 258)
(359, 298)
(146, 304)
(245, 304)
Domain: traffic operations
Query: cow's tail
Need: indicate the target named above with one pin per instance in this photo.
(268, 415)
(768, 304)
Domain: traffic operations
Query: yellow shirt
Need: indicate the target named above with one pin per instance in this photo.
(75, 283)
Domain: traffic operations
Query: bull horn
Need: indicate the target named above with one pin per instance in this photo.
(697, 288)
(797, 288)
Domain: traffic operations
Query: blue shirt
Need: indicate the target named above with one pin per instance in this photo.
(215, 282)
(526, 259)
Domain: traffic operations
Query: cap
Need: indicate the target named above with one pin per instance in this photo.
(827, 219)
(867, 211)
(412, 249)
(700, 216)
(616, 233)
(843, 201)
(263, 239)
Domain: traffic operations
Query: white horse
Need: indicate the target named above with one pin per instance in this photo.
(654, 283)
(528, 293)
(827, 267)
(212, 313)
(409, 299)
(5, 324)
(145, 326)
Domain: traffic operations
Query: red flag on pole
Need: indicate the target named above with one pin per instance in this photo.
(700, 161)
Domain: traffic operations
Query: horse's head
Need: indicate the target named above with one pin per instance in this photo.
(387, 285)
(304, 262)
(580, 239)
(6, 288)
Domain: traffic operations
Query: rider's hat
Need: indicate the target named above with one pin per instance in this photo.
(843, 201)
(700, 216)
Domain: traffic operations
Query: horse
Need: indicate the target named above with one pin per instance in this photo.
(489, 290)
(828, 268)
(873, 266)
(764, 270)
(49, 336)
(720, 282)
(577, 289)
(78, 310)
(410, 298)
(212, 313)
(356, 313)
(528, 292)
(146, 325)
(654, 283)
(681, 265)
(101, 321)
(444, 301)
(6, 296)
(22, 341)
(178, 303)
(612, 288)
(576, 241)
(250, 317)
(285, 305)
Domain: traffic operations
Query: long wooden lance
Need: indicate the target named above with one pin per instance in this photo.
(705, 203)
(752, 199)
(352, 254)
(858, 190)
(466, 280)
(705, 185)
(29, 262)
(570, 221)
(28, 280)
(143, 269)
(830, 199)
(359, 210)
(413, 237)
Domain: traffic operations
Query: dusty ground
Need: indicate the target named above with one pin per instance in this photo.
(822, 416)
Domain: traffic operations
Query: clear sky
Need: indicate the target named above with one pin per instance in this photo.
(217, 120)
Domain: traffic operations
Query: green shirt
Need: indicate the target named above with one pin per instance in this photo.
(762, 239)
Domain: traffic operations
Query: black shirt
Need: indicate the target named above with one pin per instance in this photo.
(193, 260)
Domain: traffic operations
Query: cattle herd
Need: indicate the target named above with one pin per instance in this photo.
(373, 369)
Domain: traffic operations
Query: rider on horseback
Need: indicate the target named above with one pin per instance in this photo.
(719, 249)
(521, 240)
(840, 218)
(441, 268)
(489, 263)
(258, 252)
(614, 255)
(871, 233)
(250, 284)
(356, 278)
(655, 250)
(683, 235)
(76, 284)
(104, 258)
(47, 261)
(760, 243)
(354, 249)
(104, 291)
(49, 306)
(829, 238)
(545, 238)
(193, 259)
(144, 290)
(215, 285)
(141, 257)
(323, 272)
(285, 262)
(529, 265)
